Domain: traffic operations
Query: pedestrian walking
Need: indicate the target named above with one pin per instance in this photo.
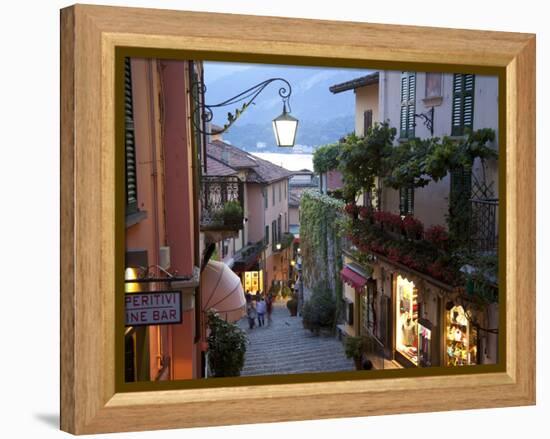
(269, 307)
(251, 313)
(261, 308)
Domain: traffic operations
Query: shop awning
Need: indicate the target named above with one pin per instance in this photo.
(222, 292)
(352, 278)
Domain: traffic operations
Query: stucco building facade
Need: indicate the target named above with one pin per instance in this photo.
(410, 318)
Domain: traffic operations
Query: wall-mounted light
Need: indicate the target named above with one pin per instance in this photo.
(284, 126)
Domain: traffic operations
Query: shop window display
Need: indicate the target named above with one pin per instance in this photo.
(406, 340)
(461, 335)
(425, 343)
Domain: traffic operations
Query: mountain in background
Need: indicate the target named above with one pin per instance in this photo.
(324, 117)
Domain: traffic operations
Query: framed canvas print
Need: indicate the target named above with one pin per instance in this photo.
(311, 218)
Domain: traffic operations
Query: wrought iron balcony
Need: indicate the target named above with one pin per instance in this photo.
(222, 201)
(248, 256)
(483, 225)
(283, 242)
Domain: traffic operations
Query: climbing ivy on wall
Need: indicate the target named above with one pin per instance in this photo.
(320, 241)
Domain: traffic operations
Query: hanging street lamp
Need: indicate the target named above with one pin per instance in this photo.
(284, 126)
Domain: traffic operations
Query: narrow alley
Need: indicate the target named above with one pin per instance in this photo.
(285, 347)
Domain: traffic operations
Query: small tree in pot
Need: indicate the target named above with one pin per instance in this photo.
(355, 347)
(226, 347)
(232, 213)
(292, 306)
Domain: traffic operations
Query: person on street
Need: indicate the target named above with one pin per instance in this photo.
(261, 308)
(251, 314)
(269, 307)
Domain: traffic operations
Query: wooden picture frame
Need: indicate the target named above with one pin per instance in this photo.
(90, 36)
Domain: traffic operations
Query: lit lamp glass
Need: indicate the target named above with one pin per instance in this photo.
(293, 262)
(285, 127)
(131, 274)
(278, 246)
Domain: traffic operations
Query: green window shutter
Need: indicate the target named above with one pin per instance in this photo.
(266, 237)
(463, 103)
(406, 200)
(129, 142)
(408, 105)
(367, 121)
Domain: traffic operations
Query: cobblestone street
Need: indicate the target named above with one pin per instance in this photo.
(286, 347)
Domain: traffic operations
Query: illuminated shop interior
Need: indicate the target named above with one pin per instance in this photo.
(461, 339)
(406, 331)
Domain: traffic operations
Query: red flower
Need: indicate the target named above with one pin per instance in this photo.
(437, 235)
(413, 227)
(394, 254)
(364, 212)
(351, 209)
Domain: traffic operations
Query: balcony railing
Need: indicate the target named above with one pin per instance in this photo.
(248, 256)
(483, 225)
(222, 202)
(283, 243)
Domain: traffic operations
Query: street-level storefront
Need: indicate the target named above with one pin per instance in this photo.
(253, 281)
(461, 338)
(354, 278)
(417, 317)
(406, 320)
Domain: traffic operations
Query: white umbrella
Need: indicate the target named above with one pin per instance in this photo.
(222, 291)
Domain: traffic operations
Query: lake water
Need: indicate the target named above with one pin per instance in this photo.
(292, 162)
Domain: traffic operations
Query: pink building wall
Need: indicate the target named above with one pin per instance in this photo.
(179, 202)
(255, 213)
(274, 262)
(165, 193)
(334, 180)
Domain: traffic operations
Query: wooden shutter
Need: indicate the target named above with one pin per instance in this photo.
(408, 104)
(367, 121)
(463, 103)
(273, 234)
(406, 200)
(129, 140)
(266, 237)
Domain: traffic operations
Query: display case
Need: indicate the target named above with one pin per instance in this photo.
(461, 339)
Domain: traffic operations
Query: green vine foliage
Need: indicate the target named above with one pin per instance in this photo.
(325, 158)
(319, 230)
(362, 159)
(419, 161)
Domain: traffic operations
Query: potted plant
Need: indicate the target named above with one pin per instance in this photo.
(232, 213)
(292, 306)
(286, 292)
(226, 347)
(354, 348)
(320, 311)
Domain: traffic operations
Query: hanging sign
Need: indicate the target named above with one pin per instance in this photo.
(156, 308)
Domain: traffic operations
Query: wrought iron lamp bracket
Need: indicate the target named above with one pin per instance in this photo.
(205, 112)
(428, 119)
